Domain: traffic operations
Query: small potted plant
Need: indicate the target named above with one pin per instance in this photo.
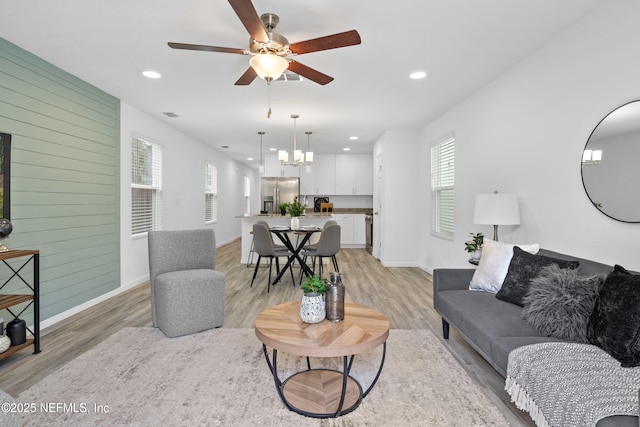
(474, 246)
(283, 208)
(295, 209)
(312, 308)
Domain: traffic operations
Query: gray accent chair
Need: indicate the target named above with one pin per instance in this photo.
(187, 292)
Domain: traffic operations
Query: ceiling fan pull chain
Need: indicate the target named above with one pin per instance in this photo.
(269, 111)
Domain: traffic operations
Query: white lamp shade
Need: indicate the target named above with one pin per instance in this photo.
(283, 156)
(268, 66)
(298, 156)
(309, 156)
(496, 209)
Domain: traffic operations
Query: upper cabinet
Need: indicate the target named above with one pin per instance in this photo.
(354, 174)
(331, 174)
(272, 167)
(321, 180)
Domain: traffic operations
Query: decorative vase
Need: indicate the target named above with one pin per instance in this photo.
(5, 343)
(17, 331)
(476, 255)
(312, 308)
(335, 298)
(295, 223)
(283, 212)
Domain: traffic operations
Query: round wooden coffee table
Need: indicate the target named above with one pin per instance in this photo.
(321, 393)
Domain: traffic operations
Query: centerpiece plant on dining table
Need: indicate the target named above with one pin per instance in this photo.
(295, 209)
(312, 307)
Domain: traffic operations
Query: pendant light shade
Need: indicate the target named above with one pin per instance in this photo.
(269, 66)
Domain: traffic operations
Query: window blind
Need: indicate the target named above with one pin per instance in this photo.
(443, 189)
(210, 193)
(146, 186)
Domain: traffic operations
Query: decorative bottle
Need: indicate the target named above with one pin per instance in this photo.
(335, 298)
(17, 331)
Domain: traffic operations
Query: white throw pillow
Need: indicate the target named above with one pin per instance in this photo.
(494, 264)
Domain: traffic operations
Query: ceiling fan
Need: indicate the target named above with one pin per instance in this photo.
(270, 51)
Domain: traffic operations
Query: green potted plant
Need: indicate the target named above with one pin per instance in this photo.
(474, 246)
(283, 208)
(312, 307)
(295, 209)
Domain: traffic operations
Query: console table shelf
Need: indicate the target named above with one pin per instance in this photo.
(9, 300)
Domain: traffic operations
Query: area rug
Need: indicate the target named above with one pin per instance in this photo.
(139, 377)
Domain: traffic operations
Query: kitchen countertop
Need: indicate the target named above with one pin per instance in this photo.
(309, 213)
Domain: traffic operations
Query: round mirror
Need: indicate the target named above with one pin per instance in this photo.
(610, 164)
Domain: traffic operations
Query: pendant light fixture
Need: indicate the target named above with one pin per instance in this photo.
(299, 158)
(308, 157)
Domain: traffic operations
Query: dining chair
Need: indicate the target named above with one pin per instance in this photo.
(315, 238)
(264, 247)
(328, 246)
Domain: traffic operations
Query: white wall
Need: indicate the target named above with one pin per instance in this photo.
(183, 189)
(524, 133)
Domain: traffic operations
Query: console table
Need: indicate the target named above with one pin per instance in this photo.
(33, 297)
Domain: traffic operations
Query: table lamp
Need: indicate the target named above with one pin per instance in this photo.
(496, 209)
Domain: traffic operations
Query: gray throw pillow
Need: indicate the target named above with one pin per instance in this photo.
(524, 267)
(560, 301)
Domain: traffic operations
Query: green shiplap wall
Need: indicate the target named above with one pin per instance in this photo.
(64, 180)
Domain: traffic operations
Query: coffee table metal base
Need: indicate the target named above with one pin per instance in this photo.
(321, 393)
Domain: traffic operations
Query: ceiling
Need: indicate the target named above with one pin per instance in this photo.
(461, 44)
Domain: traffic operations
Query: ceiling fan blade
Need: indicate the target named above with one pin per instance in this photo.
(348, 38)
(250, 19)
(187, 46)
(309, 73)
(247, 77)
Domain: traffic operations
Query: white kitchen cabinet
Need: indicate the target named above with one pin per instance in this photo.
(354, 174)
(272, 167)
(359, 230)
(345, 221)
(321, 180)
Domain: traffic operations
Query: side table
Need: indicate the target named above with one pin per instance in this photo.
(321, 393)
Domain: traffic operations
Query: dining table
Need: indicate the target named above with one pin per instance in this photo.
(283, 232)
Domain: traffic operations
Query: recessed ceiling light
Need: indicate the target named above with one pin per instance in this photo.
(353, 137)
(417, 75)
(273, 149)
(250, 158)
(346, 149)
(151, 74)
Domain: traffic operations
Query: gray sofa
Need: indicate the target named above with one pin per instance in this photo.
(494, 327)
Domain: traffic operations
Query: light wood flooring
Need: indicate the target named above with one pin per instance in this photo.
(403, 294)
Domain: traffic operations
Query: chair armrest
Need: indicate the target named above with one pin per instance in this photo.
(449, 279)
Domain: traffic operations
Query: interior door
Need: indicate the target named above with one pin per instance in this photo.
(377, 206)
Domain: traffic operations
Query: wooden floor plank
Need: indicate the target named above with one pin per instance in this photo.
(404, 295)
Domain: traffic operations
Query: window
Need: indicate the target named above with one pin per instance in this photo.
(247, 195)
(210, 193)
(442, 188)
(146, 186)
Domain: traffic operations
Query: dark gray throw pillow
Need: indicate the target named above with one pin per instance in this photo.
(560, 301)
(524, 267)
(614, 324)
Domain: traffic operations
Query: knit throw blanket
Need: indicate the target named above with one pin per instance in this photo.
(570, 384)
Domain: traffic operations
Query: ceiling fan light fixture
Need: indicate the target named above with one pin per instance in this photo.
(268, 66)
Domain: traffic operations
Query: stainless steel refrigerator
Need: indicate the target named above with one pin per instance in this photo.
(276, 190)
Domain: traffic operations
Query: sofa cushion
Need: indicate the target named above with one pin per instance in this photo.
(525, 266)
(481, 317)
(560, 301)
(494, 264)
(614, 324)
